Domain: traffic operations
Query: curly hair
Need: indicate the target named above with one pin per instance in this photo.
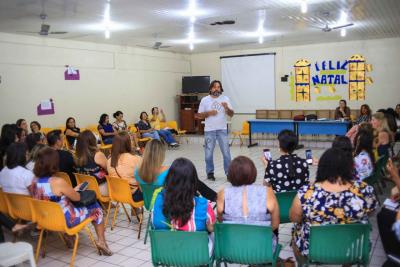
(180, 188)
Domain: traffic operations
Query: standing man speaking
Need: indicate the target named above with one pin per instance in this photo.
(213, 109)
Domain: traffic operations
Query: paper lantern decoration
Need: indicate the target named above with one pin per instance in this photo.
(302, 80)
(357, 68)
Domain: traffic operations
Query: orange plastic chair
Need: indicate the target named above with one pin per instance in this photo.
(243, 132)
(18, 207)
(64, 176)
(93, 185)
(46, 130)
(50, 217)
(3, 203)
(120, 192)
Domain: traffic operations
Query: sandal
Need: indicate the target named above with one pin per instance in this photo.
(103, 250)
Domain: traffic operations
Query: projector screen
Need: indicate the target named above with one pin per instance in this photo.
(249, 81)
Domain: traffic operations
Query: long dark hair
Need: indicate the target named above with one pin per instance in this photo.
(343, 143)
(102, 118)
(66, 123)
(8, 136)
(335, 163)
(288, 141)
(86, 148)
(180, 188)
(121, 144)
(212, 85)
(364, 142)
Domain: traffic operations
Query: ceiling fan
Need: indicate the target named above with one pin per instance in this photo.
(45, 28)
(327, 28)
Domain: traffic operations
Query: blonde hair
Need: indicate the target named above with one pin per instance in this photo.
(380, 116)
(153, 157)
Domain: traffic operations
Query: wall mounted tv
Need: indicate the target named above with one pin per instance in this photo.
(195, 84)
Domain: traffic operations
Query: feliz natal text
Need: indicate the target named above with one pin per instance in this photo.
(331, 72)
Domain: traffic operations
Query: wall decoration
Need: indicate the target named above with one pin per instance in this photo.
(327, 75)
(302, 80)
(46, 107)
(71, 73)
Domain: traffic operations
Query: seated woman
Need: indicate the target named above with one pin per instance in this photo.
(244, 202)
(14, 177)
(33, 155)
(145, 128)
(120, 125)
(8, 136)
(364, 160)
(382, 134)
(363, 126)
(49, 187)
(365, 114)
(123, 162)
(71, 132)
(177, 206)
(106, 130)
(35, 128)
(342, 111)
(22, 124)
(289, 172)
(155, 120)
(90, 160)
(335, 198)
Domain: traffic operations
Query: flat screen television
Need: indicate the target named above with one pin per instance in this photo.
(195, 84)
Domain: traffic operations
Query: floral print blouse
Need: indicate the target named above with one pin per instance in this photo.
(322, 207)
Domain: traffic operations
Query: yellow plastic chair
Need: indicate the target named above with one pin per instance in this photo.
(46, 130)
(163, 124)
(120, 192)
(64, 176)
(50, 217)
(3, 203)
(243, 132)
(132, 128)
(180, 133)
(18, 207)
(93, 185)
(103, 147)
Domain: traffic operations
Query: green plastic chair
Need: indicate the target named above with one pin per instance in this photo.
(244, 244)
(285, 200)
(178, 248)
(339, 244)
(148, 191)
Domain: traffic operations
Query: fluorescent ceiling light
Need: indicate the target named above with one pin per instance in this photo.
(343, 32)
(303, 6)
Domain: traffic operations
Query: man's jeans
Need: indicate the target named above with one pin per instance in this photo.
(210, 139)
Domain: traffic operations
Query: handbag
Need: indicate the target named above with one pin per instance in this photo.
(88, 197)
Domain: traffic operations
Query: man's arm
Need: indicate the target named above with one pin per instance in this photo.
(228, 110)
(206, 114)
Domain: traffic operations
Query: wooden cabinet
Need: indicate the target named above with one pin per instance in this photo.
(188, 107)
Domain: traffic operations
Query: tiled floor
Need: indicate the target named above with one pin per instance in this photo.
(129, 251)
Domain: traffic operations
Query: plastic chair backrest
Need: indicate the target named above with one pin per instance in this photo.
(3, 203)
(119, 189)
(48, 215)
(178, 248)
(245, 128)
(244, 244)
(148, 191)
(93, 185)
(46, 130)
(340, 244)
(285, 200)
(163, 124)
(132, 128)
(172, 125)
(92, 128)
(18, 206)
(64, 176)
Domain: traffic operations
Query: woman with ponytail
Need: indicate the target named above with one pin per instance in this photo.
(289, 172)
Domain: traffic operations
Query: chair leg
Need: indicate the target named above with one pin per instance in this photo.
(126, 213)
(108, 214)
(92, 239)
(115, 216)
(147, 228)
(39, 243)
(241, 140)
(102, 205)
(74, 251)
(46, 233)
(233, 139)
(140, 223)
(63, 239)
(32, 262)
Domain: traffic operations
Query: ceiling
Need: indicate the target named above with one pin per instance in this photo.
(144, 22)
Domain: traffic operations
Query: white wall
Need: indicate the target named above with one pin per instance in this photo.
(112, 78)
(383, 54)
